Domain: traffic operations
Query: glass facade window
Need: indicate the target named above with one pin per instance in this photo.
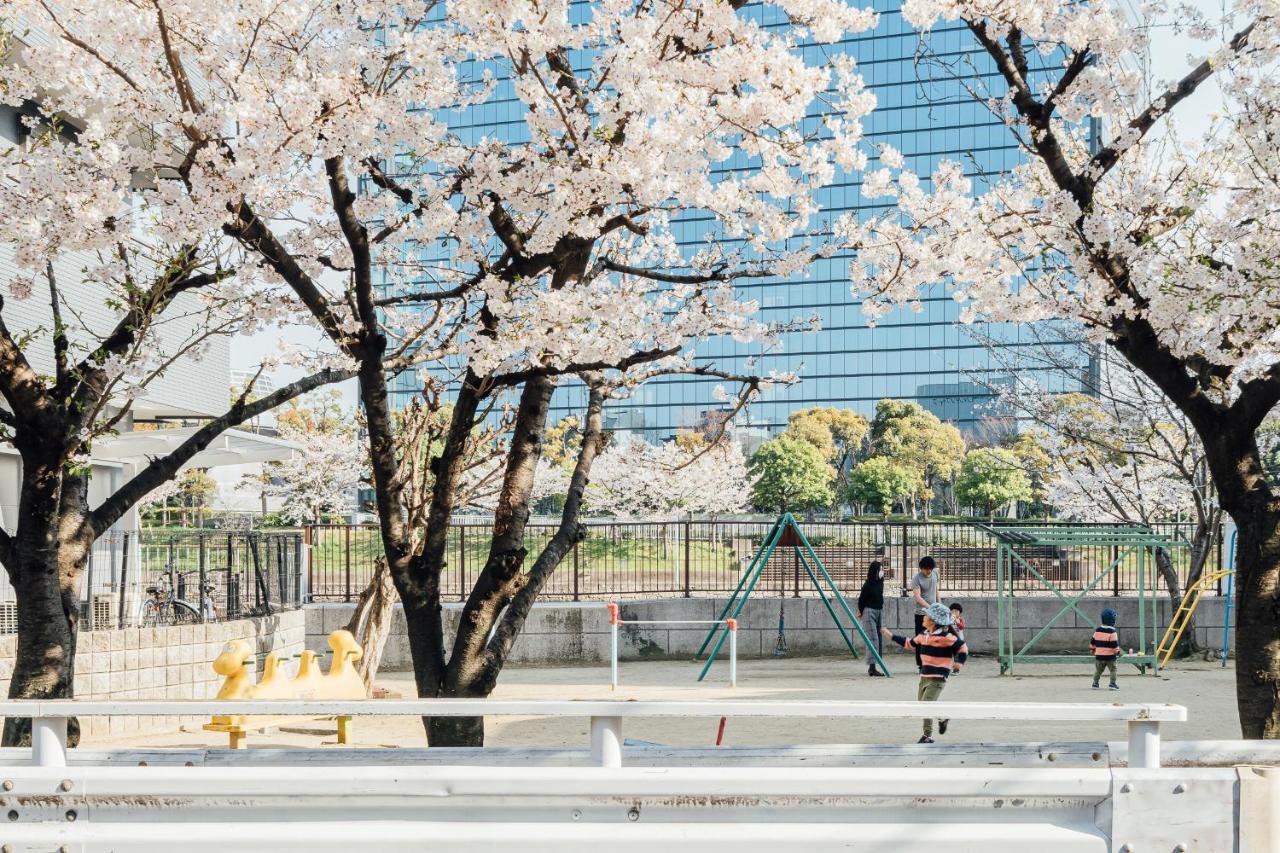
(928, 115)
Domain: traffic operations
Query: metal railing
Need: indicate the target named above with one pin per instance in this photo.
(156, 577)
(706, 558)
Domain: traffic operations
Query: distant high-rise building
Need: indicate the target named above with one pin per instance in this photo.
(926, 112)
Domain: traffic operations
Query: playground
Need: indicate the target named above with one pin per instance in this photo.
(1206, 689)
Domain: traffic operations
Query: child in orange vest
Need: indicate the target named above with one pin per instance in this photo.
(1105, 644)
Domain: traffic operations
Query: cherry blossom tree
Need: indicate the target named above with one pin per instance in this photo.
(321, 476)
(1158, 237)
(638, 479)
(315, 138)
(85, 224)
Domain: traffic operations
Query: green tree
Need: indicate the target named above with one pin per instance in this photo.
(879, 481)
(790, 475)
(991, 478)
(195, 489)
(838, 434)
(1029, 448)
(914, 438)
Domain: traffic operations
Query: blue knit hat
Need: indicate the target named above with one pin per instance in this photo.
(939, 613)
(1109, 617)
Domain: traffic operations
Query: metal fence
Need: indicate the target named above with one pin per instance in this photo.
(707, 558)
(129, 572)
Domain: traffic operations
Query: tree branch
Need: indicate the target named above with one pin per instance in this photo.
(165, 467)
(60, 341)
(22, 387)
(520, 602)
(518, 376)
(719, 274)
(1170, 98)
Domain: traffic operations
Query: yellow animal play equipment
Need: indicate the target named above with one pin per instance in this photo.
(342, 681)
(1187, 609)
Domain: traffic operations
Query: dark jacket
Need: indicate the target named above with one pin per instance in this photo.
(871, 597)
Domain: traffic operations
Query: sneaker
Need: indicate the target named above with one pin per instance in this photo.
(1095, 685)
(1114, 686)
(925, 739)
(875, 673)
(942, 726)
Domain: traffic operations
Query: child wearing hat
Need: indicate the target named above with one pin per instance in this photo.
(941, 651)
(1105, 644)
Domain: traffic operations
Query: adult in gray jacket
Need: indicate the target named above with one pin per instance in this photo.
(924, 590)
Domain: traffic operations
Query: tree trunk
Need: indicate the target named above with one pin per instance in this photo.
(1258, 623)
(48, 623)
(371, 622)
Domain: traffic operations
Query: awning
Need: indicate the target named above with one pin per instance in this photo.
(233, 447)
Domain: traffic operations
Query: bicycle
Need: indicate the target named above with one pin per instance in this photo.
(162, 607)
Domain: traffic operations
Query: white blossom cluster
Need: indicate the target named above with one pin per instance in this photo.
(214, 132)
(1181, 230)
(642, 480)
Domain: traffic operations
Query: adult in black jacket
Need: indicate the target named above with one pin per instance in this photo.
(870, 605)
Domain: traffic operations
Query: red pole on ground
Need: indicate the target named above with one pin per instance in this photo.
(720, 732)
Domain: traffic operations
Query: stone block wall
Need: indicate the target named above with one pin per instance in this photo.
(162, 663)
(566, 633)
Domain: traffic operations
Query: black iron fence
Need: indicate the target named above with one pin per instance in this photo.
(707, 558)
(166, 577)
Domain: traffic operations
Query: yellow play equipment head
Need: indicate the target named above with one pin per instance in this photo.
(344, 646)
(235, 655)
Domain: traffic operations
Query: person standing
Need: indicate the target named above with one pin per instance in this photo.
(1105, 644)
(924, 589)
(870, 609)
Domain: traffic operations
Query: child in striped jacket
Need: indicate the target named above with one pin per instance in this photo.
(942, 651)
(1105, 644)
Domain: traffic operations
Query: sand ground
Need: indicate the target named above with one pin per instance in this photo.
(1206, 689)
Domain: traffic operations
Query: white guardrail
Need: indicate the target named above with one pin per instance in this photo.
(366, 799)
(49, 718)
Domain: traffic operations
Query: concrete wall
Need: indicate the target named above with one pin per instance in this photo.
(161, 663)
(566, 633)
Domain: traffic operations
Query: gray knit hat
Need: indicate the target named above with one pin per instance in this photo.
(939, 613)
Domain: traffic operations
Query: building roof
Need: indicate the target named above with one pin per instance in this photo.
(233, 447)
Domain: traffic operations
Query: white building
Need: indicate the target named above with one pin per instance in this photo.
(172, 406)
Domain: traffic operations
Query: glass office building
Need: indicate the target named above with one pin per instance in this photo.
(927, 114)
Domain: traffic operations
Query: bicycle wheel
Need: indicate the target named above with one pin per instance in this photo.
(151, 616)
(182, 613)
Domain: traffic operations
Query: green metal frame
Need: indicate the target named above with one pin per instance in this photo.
(1126, 539)
(747, 583)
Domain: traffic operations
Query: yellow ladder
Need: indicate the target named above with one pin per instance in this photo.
(1182, 617)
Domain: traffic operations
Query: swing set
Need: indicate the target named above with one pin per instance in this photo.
(786, 533)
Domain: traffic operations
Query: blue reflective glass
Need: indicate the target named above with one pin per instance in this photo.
(927, 112)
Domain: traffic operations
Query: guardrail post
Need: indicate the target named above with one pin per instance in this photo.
(1144, 743)
(606, 741)
(49, 741)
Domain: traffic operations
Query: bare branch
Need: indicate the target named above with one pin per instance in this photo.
(164, 468)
